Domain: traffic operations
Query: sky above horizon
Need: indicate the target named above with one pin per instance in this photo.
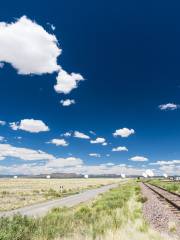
(90, 87)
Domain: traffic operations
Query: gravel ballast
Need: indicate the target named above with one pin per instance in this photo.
(159, 214)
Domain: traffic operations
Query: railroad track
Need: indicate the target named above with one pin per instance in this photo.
(171, 198)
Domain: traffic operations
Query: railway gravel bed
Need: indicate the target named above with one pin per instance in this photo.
(159, 214)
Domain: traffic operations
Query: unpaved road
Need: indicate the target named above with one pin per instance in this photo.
(41, 209)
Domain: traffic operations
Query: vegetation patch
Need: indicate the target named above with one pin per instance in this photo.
(114, 215)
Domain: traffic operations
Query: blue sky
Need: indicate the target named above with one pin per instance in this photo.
(125, 56)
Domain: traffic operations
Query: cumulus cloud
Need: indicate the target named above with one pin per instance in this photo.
(67, 82)
(139, 159)
(30, 125)
(2, 123)
(165, 162)
(67, 102)
(124, 132)
(59, 142)
(98, 140)
(78, 134)
(120, 149)
(7, 150)
(169, 106)
(94, 155)
(30, 49)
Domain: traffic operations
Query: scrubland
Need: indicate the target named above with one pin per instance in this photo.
(15, 193)
(116, 215)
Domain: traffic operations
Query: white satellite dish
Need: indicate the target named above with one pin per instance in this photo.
(123, 175)
(15, 177)
(48, 176)
(165, 175)
(86, 176)
(149, 173)
(144, 175)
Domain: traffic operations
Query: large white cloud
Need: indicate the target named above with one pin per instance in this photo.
(59, 142)
(7, 150)
(123, 132)
(120, 149)
(30, 125)
(67, 82)
(30, 49)
(139, 159)
(78, 134)
(169, 106)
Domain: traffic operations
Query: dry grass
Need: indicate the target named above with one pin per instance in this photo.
(115, 215)
(15, 193)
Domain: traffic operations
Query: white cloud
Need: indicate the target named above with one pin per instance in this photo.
(59, 142)
(30, 49)
(139, 159)
(81, 135)
(64, 162)
(120, 149)
(98, 140)
(30, 125)
(104, 144)
(7, 150)
(53, 164)
(67, 82)
(124, 132)
(95, 155)
(92, 132)
(169, 106)
(170, 169)
(66, 134)
(166, 162)
(110, 164)
(2, 139)
(2, 123)
(67, 102)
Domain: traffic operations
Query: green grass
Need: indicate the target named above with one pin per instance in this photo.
(170, 186)
(114, 215)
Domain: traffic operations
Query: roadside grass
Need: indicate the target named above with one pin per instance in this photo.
(170, 186)
(114, 215)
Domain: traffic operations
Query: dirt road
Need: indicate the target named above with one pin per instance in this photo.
(41, 209)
